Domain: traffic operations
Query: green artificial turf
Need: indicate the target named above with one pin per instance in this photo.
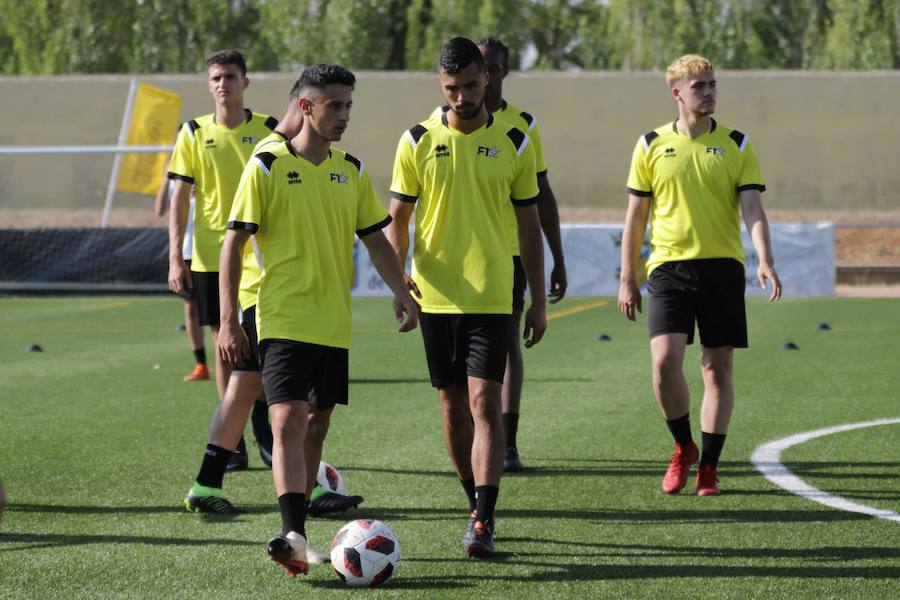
(100, 439)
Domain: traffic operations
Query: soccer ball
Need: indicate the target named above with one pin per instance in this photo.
(365, 553)
(329, 479)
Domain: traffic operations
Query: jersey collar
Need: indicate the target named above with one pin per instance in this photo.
(247, 112)
(712, 126)
(290, 147)
(490, 120)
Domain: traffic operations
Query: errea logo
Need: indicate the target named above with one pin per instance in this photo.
(338, 178)
(210, 144)
(670, 152)
(293, 177)
(441, 150)
(488, 152)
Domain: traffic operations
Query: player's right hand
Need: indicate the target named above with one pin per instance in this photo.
(180, 278)
(629, 299)
(535, 324)
(232, 344)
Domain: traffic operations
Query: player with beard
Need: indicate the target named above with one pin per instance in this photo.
(463, 170)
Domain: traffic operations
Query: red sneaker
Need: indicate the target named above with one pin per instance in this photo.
(707, 482)
(200, 373)
(679, 468)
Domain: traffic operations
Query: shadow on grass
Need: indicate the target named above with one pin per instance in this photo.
(48, 540)
(136, 510)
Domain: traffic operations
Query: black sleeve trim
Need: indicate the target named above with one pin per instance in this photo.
(172, 175)
(649, 137)
(267, 158)
(751, 186)
(517, 138)
(241, 226)
(373, 228)
(271, 123)
(528, 118)
(525, 202)
(737, 137)
(542, 173)
(640, 193)
(417, 132)
(404, 197)
(354, 161)
(194, 125)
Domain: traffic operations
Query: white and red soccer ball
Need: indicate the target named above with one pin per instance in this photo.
(329, 479)
(365, 553)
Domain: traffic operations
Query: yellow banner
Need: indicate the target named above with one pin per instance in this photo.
(153, 123)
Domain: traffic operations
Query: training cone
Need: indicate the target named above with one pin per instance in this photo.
(790, 346)
(823, 327)
(603, 338)
(34, 348)
(180, 327)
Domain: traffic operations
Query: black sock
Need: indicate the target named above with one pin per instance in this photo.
(712, 448)
(486, 501)
(259, 422)
(200, 355)
(469, 486)
(212, 469)
(241, 447)
(293, 513)
(681, 429)
(510, 428)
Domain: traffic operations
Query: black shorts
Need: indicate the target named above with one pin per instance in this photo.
(708, 291)
(302, 371)
(519, 283)
(248, 323)
(459, 346)
(206, 293)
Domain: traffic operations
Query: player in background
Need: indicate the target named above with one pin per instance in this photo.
(462, 170)
(496, 57)
(304, 201)
(210, 153)
(191, 325)
(694, 178)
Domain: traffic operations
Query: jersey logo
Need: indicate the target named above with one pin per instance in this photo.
(717, 150)
(210, 143)
(338, 178)
(441, 151)
(670, 152)
(293, 177)
(491, 152)
(248, 140)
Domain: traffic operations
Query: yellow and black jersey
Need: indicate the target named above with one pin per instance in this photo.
(524, 122)
(694, 186)
(252, 263)
(304, 217)
(464, 185)
(212, 156)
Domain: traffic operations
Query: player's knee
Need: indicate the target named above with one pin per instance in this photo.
(667, 364)
(717, 374)
(288, 420)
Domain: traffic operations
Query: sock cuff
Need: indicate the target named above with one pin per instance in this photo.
(203, 490)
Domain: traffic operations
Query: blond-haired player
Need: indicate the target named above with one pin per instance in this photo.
(694, 178)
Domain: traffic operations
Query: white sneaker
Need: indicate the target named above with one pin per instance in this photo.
(290, 552)
(314, 557)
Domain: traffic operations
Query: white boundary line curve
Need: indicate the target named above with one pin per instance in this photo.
(767, 460)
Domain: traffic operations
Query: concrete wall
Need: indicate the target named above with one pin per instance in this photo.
(826, 140)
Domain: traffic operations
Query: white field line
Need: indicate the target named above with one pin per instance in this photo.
(767, 460)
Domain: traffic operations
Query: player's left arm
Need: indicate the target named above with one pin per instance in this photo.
(385, 260)
(758, 227)
(548, 212)
(531, 248)
(161, 202)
